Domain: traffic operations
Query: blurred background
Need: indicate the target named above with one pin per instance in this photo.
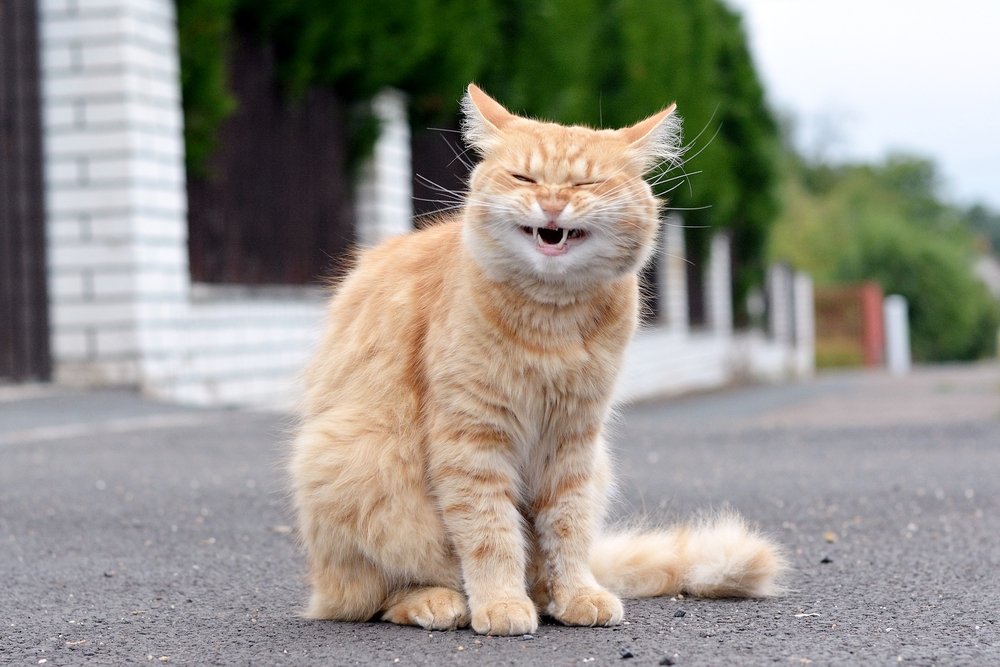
(201, 166)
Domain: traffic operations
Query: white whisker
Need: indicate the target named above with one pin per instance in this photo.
(688, 208)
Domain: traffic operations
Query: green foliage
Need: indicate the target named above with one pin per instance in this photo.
(886, 223)
(546, 66)
(951, 314)
(839, 353)
(469, 36)
(986, 225)
(204, 30)
(356, 47)
(608, 63)
(596, 62)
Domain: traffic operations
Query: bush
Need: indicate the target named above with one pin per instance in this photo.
(598, 62)
(952, 316)
(886, 223)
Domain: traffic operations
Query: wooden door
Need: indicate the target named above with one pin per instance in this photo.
(24, 325)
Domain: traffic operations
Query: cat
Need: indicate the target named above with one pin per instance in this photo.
(449, 468)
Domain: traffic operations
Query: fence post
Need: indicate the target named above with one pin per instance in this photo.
(385, 191)
(673, 276)
(719, 287)
(897, 334)
(779, 304)
(805, 323)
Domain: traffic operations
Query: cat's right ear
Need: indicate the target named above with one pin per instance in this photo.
(656, 140)
(484, 118)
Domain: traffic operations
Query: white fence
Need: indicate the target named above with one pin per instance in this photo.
(123, 306)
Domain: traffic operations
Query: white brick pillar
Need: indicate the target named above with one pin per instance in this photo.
(780, 303)
(719, 287)
(897, 334)
(673, 276)
(385, 192)
(805, 323)
(114, 174)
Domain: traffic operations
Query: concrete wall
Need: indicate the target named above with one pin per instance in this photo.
(665, 359)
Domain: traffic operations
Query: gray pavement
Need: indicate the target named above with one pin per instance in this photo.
(133, 532)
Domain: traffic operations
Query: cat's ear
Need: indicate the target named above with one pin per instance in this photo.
(484, 118)
(656, 139)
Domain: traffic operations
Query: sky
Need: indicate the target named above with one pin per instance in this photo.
(862, 78)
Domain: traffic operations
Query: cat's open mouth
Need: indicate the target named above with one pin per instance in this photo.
(553, 240)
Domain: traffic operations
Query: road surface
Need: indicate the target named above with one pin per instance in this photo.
(134, 532)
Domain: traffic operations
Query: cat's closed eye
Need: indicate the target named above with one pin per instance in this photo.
(586, 183)
(523, 178)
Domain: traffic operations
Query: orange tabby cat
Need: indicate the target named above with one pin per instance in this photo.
(450, 467)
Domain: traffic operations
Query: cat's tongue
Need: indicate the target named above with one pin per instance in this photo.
(551, 250)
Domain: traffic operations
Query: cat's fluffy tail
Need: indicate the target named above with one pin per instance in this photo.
(715, 558)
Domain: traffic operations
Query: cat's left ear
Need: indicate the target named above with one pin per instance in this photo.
(484, 119)
(656, 139)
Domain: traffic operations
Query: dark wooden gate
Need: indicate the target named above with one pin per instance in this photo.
(277, 206)
(440, 165)
(697, 316)
(24, 326)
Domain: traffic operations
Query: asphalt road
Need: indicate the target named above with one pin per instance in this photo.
(132, 532)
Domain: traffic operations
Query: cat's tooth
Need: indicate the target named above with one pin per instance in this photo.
(535, 233)
(562, 242)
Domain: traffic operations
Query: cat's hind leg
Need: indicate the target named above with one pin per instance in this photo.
(430, 607)
(347, 588)
(367, 523)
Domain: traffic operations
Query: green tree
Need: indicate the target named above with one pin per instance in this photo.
(952, 317)
(204, 30)
(887, 223)
(986, 224)
(597, 62)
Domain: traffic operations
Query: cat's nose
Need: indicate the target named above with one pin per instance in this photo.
(552, 209)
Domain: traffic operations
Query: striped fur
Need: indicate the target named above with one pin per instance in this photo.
(450, 468)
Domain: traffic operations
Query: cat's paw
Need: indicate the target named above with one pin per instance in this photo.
(431, 608)
(513, 616)
(591, 606)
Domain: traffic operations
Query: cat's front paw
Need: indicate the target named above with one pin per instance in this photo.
(513, 616)
(591, 606)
